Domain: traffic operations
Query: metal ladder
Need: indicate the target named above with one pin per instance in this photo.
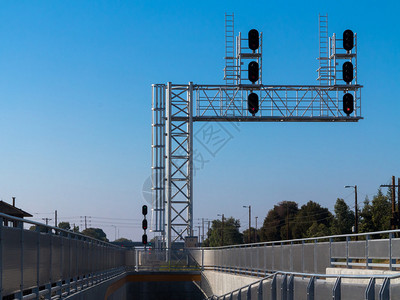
(230, 72)
(324, 75)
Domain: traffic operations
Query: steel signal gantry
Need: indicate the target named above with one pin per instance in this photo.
(176, 107)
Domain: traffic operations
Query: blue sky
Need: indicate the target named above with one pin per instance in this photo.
(75, 105)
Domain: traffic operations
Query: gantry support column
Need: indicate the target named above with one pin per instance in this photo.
(179, 162)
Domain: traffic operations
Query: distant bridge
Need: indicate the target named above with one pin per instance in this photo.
(52, 263)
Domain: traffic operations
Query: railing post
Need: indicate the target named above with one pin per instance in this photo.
(337, 289)
(367, 251)
(69, 265)
(248, 294)
(202, 259)
(51, 258)
(291, 256)
(384, 293)
(302, 256)
(310, 289)
(390, 252)
(1, 257)
(21, 286)
(273, 288)
(290, 295)
(330, 252)
(370, 291)
(284, 287)
(37, 262)
(315, 256)
(273, 257)
(260, 291)
(347, 252)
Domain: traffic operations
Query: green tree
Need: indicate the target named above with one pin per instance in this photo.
(255, 237)
(123, 240)
(64, 225)
(366, 224)
(96, 233)
(230, 230)
(278, 224)
(344, 218)
(309, 214)
(41, 228)
(318, 230)
(381, 212)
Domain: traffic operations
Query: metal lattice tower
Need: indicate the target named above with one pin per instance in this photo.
(177, 107)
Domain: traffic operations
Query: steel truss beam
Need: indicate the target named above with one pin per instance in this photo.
(185, 104)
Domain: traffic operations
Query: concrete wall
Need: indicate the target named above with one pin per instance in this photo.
(220, 283)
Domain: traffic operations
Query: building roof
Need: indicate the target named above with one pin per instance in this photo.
(8, 209)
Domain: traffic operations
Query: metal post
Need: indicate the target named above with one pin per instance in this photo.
(1, 257)
(384, 293)
(290, 288)
(390, 252)
(284, 287)
(356, 211)
(168, 168)
(367, 252)
(260, 291)
(37, 262)
(21, 227)
(190, 159)
(337, 289)
(370, 291)
(273, 288)
(310, 289)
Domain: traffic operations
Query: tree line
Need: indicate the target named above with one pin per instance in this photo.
(286, 221)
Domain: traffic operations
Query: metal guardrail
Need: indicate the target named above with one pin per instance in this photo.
(309, 255)
(164, 260)
(52, 262)
(281, 285)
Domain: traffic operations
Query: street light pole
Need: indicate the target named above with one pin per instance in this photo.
(355, 208)
(245, 206)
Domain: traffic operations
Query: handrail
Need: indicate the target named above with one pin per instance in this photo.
(301, 240)
(313, 275)
(8, 217)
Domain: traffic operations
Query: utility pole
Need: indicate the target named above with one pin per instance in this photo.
(47, 220)
(355, 208)
(395, 220)
(85, 223)
(55, 218)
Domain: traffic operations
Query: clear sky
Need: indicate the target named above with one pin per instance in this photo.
(75, 106)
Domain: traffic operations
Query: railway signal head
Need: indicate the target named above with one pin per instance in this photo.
(144, 210)
(144, 239)
(347, 72)
(253, 71)
(348, 40)
(144, 224)
(348, 103)
(252, 103)
(254, 39)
